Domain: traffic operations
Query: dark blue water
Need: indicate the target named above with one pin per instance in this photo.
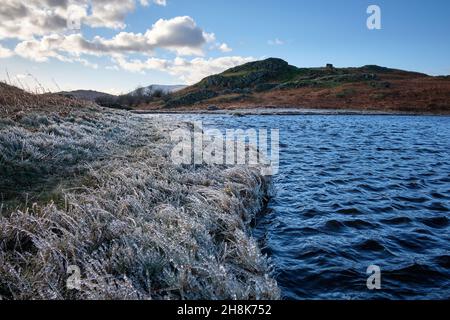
(355, 191)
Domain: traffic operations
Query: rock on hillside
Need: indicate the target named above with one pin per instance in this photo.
(250, 75)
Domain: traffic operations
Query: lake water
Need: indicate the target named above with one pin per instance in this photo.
(355, 191)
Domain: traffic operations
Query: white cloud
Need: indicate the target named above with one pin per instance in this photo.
(146, 3)
(180, 35)
(188, 71)
(276, 42)
(41, 51)
(5, 52)
(26, 19)
(136, 65)
(225, 48)
(41, 26)
(19, 19)
(85, 63)
(109, 13)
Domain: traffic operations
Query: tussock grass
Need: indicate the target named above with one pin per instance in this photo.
(97, 189)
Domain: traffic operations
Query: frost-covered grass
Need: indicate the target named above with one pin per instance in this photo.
(14, 102)
(97, 189)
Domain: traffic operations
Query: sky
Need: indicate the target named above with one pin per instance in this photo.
(117, 45)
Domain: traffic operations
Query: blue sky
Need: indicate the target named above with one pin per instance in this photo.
(200, 37)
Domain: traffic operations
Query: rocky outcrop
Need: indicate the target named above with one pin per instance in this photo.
(248, 75)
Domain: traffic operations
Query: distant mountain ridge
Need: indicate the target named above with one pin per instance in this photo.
(88, 95)
(92, 95)
(158, 87)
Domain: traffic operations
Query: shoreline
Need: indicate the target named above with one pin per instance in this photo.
(102, 195)
(274, 111)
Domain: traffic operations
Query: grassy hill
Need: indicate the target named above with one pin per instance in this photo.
(273, 82)
(15, 102)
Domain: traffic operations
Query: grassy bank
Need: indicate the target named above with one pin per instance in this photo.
(97, 189)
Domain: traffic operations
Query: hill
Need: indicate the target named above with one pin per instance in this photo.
(89, 95)
(92, 95)
(133, 99)
(151, 89)
(274, 82)
(15, 101)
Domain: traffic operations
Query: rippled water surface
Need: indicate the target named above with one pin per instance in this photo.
(354, 191)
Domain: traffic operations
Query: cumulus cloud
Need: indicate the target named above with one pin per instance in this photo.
(20, 19)
(41, 28)
(41, 51)
(225, 48)
(109, 14)
(137, 65)
(5, 52)
(26, 19)
(188, 71)
(180, 35)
